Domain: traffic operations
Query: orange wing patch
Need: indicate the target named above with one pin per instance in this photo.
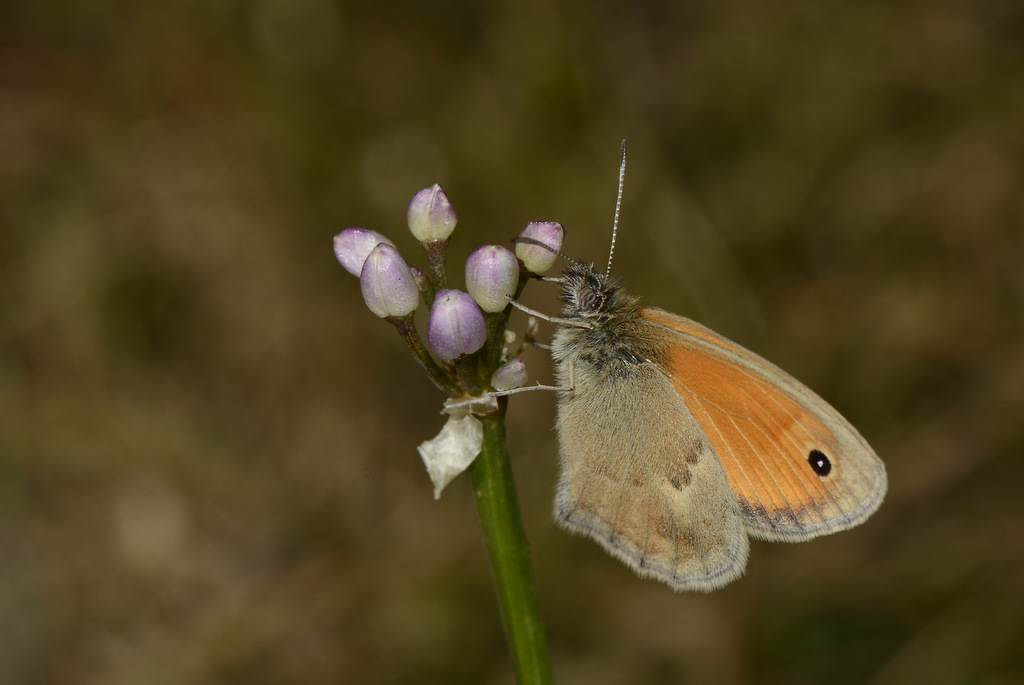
(761, 432)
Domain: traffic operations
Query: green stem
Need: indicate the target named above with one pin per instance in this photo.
(505, 538)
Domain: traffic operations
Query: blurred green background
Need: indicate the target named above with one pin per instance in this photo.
(208, 467)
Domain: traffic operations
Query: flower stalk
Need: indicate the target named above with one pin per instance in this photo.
(406, 328)
(502, 525)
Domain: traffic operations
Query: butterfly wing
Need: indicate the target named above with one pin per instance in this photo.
(639, 477)
(797, 468)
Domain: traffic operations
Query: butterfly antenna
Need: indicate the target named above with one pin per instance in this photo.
(618, 204)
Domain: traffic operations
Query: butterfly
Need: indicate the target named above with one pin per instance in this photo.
(676, 444)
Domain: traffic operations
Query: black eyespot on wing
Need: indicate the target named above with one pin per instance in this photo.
(821, 464)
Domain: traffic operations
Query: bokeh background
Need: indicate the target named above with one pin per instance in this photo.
(208, 467)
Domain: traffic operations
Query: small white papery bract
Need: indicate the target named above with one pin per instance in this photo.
(452, 451)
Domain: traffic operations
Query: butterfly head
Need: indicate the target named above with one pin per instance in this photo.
(592, 296)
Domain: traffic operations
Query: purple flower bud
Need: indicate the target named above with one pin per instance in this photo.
(352, 246)
(510, 376)
(388, 285)
(492, 273)
(456, 325)
(430, 215)
(535, 258)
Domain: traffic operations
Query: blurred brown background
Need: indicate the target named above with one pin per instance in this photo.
(208, 470)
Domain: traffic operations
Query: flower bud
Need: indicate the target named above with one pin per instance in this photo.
(387, 283)
(535, 258)
(510, 376)
(492, 274)
(456, 325)
(353, 245)
(430, 215)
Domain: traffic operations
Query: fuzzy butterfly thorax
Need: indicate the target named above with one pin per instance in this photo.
(617, 337)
